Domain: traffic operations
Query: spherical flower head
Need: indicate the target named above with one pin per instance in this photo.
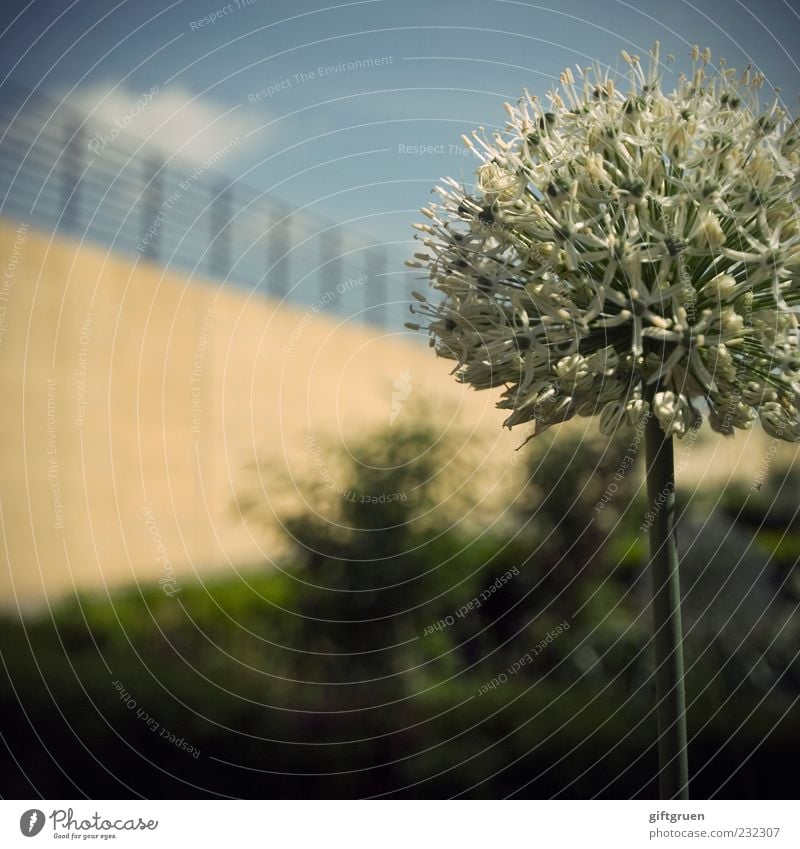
(624, 248)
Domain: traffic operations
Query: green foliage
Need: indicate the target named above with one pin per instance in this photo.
(359, 668)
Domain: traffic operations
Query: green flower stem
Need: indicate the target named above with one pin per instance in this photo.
(673, 774)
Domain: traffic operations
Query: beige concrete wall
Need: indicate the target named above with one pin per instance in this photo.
(103, 363)
(110, 473)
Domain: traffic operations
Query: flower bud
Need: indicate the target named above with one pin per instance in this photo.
(708, 232)
(672, 412)
(573, 368)
(720, 287)
(635, 411)
(604, 361)
(611, 417)
(676, 142)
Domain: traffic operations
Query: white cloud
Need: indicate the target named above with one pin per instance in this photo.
(172, 119)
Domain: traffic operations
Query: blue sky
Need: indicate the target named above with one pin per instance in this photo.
(340, 141)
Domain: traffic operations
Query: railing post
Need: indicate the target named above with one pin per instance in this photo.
(152, 198)
(72, 160)
(330, 264)
(278, 244)
(219, 259)
(375, 289)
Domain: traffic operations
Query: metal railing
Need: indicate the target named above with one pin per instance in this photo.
(129, 198)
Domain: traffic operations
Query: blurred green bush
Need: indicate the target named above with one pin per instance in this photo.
(358, 668)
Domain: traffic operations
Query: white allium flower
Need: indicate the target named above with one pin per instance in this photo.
(673, 412)
(619, 243)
